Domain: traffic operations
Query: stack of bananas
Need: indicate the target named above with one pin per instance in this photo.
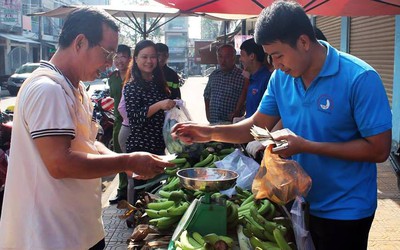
(212, 153)
(232, 215)
(180, 163)
(260, 224)
(167, 210)
(196, 241)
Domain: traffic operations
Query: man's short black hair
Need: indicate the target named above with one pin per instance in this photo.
(86, 21)
(161, 47)
(283, 21)
(251, 47)
(319, 35)
(122, 48)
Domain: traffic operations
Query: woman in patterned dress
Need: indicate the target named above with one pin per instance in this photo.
(146, 97)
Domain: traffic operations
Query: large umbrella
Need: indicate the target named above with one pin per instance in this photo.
(315, 7)
(133, 12)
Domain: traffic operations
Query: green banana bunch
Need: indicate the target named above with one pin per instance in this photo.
(173, 184)
(179, 161)
(267, 225)
(190, 242)
(225, 152)
(244, 208)
(165, 214)
(267, 208)
(164, 223)
(256, 243)
(256, 229)
(180, 164)
(232, 214)
(263, 233)
(242, 194)
(208, 160)
(176, 195)
(160, 205)
(282, 243)
(214, 239)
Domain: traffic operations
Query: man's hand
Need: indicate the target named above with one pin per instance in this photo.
(190, 133)
(145, 165)
(295, 142)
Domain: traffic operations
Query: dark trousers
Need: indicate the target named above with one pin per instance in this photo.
(99, 246)
(340, 234)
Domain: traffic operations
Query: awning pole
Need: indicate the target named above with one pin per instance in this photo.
(144, 26)
(225, 30)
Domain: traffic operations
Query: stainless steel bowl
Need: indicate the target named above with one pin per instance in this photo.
(207, 179)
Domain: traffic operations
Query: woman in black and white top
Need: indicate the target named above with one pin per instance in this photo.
(146, 97)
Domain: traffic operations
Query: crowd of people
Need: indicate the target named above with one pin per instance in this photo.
(337, 130)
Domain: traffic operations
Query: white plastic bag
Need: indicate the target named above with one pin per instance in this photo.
(302, 235)
(173, 116)
(245, 166)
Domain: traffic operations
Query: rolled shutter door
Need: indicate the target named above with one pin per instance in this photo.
(372, 40)
(330, 26)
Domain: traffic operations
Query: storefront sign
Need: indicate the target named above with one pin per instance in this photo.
(10, 12)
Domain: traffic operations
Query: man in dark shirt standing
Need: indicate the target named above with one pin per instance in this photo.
(225, 84)
(170, 75)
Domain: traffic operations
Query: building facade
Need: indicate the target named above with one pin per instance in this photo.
(26, 38)
(176, 38)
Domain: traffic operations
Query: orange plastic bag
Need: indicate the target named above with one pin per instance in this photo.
(280, 180)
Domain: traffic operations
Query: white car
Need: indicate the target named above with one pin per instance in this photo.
(21, 74)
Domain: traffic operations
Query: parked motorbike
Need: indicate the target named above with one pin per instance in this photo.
(103, 114)
(182, 78)
(5, 139)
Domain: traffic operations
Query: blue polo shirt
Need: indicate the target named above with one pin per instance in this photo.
(346, 101)
(257, 87)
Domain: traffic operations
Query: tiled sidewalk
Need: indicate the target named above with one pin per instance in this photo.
(117, 233)
(385, 232)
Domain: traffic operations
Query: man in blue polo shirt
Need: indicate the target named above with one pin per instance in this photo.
(336, 106)
(252, 58)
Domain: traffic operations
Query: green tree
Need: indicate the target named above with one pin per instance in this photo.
(209, 28)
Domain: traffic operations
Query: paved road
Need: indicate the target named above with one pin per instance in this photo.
(192, 94)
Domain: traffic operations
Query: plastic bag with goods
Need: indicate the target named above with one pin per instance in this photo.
(299, 217)
(173, 116)
(245, 166)
(280, 180)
